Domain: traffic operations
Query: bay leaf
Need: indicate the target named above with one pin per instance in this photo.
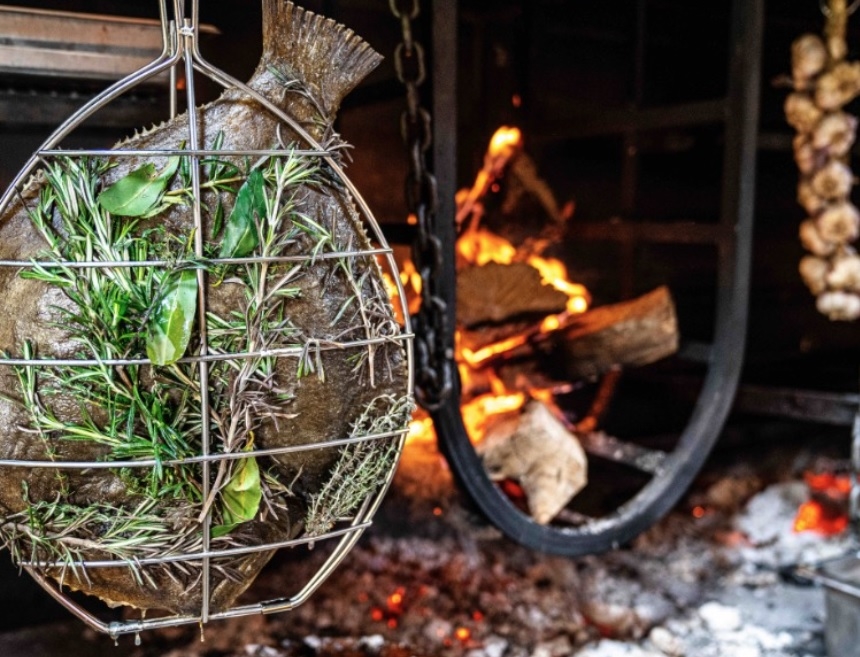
(139, 192)
(240, 231)
(240, 497)
(169, 329)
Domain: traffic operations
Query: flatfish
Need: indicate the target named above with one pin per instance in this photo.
(268, 329)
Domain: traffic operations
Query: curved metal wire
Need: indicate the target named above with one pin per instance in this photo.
(181, 48)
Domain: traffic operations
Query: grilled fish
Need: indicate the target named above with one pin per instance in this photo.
(288, 206)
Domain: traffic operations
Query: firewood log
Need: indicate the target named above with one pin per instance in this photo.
(496, 293)
(630, 333)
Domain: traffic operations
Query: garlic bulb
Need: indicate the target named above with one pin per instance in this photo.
(801, 112)
(845, 273)
(807, 158)
(833, 182)
(835, 133)
(839, 305)
(808, 57)
(839, 223)
(812, 241)
(808, 199)
(838, 86)
(813, 271)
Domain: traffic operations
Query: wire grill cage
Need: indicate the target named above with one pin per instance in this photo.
(181, 54)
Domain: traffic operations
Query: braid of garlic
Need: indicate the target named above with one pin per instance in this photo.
(823, 84)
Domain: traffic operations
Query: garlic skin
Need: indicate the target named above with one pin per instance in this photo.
(838, 86)
(842, 306)
(808, 199)
(835, 134)
(839, 223)
(801, 112)
(806, 157)
(813, 271)
(833, 182)
(845, 273)
(812, 241)
(808, 57)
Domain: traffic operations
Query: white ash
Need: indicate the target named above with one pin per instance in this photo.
(720, 618)
(767, 522)
(610, 648)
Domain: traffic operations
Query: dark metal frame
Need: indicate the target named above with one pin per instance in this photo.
(671, 473)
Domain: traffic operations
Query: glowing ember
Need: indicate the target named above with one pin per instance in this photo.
(463, 634)
(812, 516)
(395, 601)
(824, 513)
(829, 483)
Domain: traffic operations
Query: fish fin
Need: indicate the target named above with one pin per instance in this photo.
(328, 58)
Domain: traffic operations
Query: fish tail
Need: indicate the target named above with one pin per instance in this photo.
(326, 57)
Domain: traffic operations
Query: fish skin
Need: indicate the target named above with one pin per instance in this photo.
(328, 60)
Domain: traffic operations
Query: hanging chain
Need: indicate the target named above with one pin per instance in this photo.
(433, 355)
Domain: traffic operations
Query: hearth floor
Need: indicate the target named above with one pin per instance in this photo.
(432, 579)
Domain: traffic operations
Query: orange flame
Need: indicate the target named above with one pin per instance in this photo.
(478, 246)
(421, 430)
(554, 273)
(505, 142)
(480, 411)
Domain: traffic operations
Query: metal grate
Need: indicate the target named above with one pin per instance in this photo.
(181, 53)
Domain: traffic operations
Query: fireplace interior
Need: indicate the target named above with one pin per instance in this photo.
(644, 139)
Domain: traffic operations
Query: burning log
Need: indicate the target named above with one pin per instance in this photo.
(538, 452)
(497, 293)
(629, 333)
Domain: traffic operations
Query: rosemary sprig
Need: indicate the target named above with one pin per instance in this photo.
(153, 412)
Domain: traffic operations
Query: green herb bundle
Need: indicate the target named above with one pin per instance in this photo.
(146, 316)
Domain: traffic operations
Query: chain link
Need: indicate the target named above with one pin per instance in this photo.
(434, 373)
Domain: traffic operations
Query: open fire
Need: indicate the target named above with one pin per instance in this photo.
(485, 395)
(492, 395)
(517, 312)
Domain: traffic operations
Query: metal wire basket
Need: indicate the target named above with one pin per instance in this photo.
(181, 53)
